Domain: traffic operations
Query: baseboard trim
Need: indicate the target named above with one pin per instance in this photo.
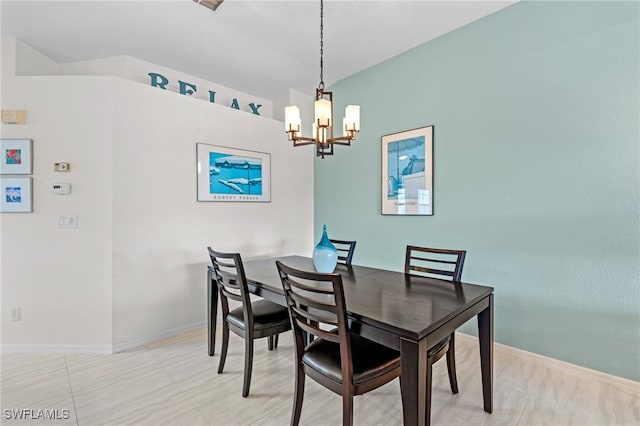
(145, 340)
(100, 349)
(606, 378)
(67, 349)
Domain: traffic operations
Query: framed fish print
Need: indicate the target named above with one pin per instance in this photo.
(229, 174)
(15, 156)
(16, 195)
(407, 172)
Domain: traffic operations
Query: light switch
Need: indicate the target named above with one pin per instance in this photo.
(67, 221)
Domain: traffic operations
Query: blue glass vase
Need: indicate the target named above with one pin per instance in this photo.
(325, 255)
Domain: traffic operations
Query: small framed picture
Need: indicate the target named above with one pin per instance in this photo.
(229, 174)
(15, 156)
(16, 195)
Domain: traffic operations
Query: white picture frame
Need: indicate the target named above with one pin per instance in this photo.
(15, 156)
(407, 172)
(228, 174)
(16, 195)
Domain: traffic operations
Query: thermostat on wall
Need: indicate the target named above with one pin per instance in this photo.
(61, 167)
(13, 116)
(61, 188)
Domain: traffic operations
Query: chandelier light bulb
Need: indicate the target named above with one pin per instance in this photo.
(323, 112)
(292, 119)
(352, 116)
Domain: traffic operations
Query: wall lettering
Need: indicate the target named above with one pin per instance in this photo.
(189, 89)
(158, 80)
(254, 108)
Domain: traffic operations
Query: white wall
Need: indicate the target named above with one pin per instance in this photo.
(134, 269)
(29, 61)
(161, 232)
(61, 278)
(304, 101)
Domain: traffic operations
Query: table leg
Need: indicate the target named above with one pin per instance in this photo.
(485, 337)
(212, 311)
(413, 382)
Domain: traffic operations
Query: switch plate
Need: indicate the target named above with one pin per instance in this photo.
(67, 221)
(15, 313)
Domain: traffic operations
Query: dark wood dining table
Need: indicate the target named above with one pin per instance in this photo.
(406, 312)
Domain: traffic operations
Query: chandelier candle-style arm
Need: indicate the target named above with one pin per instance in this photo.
(292, 120)
(351, 120)
(323, 136)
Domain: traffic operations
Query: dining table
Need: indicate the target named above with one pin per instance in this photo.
(409, 313)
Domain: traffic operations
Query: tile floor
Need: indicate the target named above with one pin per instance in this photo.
(174, 382)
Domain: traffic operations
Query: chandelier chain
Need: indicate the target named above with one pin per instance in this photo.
(321, 43)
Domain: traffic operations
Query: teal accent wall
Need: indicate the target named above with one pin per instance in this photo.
(537, 126)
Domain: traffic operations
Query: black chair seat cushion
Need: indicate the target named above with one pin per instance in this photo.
(266, 314)
(370, 359)
(438, 346)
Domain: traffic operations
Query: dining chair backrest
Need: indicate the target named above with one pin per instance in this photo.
(315, 298)
(345, 363)
(345, 250)
(435, 263)
(228, 271)
(445, 265)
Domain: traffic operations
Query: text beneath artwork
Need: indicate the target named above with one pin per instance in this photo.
(229, 174)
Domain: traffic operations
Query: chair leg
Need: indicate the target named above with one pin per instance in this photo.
(225, 346)
(275, 341)
(451, 364)
(248, 364)
(270, 343)
(347, 409)
(298, 396)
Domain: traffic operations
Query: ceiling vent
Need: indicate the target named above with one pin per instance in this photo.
(210, 4)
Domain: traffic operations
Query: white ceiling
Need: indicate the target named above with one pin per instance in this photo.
(259, 47)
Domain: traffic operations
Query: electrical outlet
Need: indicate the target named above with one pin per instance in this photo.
(15, 313)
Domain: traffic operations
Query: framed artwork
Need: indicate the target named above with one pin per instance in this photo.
(16, 195)
(15, 156)
(229, 174)
(407, 172)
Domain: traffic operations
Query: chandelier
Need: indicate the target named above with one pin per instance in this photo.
(323, 136)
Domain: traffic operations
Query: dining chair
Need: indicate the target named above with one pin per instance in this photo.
(251, 320)
(344, 363)
(441, 264)
(345, 250)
